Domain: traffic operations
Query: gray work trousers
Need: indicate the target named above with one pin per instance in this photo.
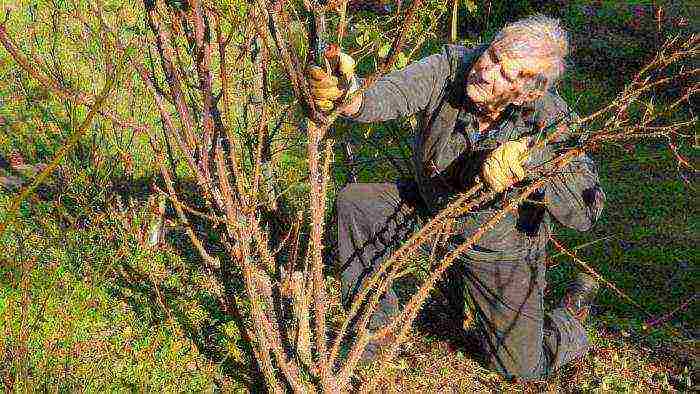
(519, 338)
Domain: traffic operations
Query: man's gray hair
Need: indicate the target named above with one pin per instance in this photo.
(536, 37)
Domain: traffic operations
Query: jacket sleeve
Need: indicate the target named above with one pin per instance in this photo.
(405, 92)
(573, 194)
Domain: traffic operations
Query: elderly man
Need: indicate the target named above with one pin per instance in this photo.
(480, 111)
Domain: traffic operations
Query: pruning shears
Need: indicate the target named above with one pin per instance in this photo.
(326, 55)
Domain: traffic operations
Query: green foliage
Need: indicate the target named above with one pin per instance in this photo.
(85, 304)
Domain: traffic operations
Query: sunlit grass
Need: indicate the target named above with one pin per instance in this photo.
(84, 305)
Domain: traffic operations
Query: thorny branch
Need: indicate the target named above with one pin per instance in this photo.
(228, 172)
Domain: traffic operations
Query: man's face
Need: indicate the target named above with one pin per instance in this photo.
(496, 81)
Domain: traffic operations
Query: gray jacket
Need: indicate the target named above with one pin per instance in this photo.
(449, 152)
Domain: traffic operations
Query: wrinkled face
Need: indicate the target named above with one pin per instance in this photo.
(496, 81)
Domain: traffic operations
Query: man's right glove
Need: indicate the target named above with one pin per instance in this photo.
(327, 89)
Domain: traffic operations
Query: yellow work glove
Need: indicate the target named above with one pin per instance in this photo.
(504, 166)
(327, 89)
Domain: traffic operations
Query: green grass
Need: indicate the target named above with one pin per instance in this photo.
(85, 304)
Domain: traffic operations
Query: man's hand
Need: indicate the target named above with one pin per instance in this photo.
(327, 89)
(504, 166)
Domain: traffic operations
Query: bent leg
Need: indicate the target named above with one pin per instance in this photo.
(520, 339)
(373, 220)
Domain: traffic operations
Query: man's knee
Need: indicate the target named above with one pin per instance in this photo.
(356, 194)
(522, 371)
(347, 197)
(523, 361)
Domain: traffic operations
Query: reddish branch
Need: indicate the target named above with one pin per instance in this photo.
(174, 78)
(230, 186)
(651, 323)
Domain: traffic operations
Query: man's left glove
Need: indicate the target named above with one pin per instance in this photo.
(504, 166)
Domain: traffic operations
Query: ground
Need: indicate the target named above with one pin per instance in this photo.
(86, 303)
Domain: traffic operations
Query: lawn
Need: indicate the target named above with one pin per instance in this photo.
(88, 303)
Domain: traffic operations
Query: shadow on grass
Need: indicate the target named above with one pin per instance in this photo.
(163, 285)
(185, 299)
